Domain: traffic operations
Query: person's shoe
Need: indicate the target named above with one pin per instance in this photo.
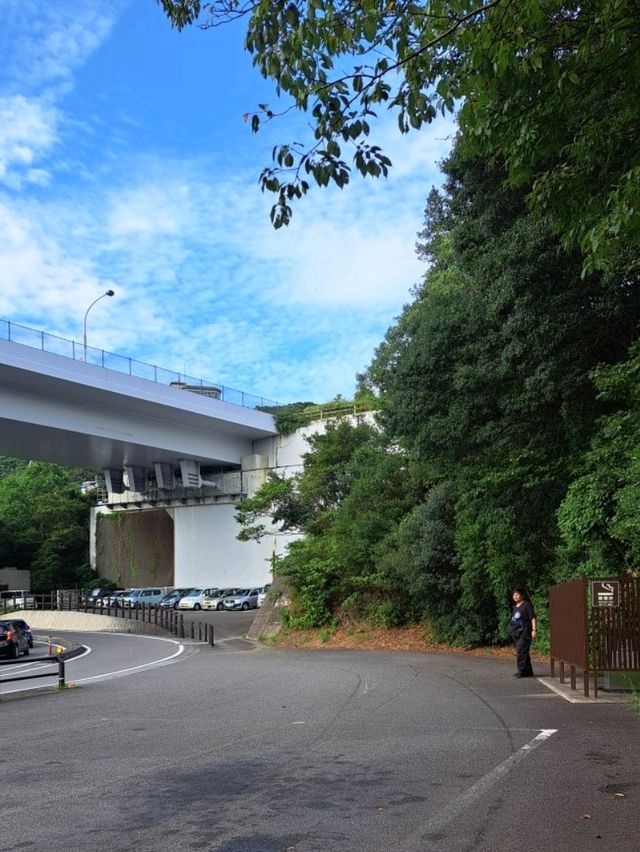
(517, 674)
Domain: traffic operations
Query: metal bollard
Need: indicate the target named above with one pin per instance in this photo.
(60, 672)
(211, 642)
(193, 630)
(182, 625)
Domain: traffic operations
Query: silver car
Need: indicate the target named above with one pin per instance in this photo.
(244, 599)
(215, 601)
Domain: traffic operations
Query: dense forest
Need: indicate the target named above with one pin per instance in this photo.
(505, 448)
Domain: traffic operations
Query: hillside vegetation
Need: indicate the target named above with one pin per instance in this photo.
(44, 523)
(507, 443)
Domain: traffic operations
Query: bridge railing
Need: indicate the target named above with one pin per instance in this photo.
(35, 339)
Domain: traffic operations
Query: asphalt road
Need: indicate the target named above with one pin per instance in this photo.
(106, 655)
(242, 748)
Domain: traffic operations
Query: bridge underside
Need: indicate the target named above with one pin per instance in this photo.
(76, 449)
(59, 410)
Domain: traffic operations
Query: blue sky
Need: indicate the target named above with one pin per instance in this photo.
(125, 163)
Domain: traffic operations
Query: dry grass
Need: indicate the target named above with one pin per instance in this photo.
(364, 637)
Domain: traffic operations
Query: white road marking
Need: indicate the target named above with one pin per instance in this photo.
(131, 669)
(452, 810)
(105, 675)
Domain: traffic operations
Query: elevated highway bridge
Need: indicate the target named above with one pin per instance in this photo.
(176, 454)
(60, 408)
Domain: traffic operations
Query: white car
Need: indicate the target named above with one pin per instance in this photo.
(17, 598)
(113, 598)
(149, 596)
(195, 598)
(262, 593)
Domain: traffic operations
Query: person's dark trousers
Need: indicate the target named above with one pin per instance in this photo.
(523, 644)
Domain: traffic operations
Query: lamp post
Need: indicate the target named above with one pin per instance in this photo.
(107, 293)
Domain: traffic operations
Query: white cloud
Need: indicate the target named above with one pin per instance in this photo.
(43, 44)
(209, 288)
(39, 273)
(203, 283)
(417, 151)
(28, 129)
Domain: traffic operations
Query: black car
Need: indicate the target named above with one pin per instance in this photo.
(25, 629)
(13, 640)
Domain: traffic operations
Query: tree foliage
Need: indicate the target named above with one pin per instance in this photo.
(44, 524)
(599, 519)
(507, 430)
(550, 87)
(486, 378)
(350, 493)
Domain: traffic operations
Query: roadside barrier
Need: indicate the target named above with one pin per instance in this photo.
(60, 672)
(167, 619)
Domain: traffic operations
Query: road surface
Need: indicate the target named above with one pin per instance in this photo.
(242, 748)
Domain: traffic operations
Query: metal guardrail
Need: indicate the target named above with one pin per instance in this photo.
(60, 673)
(35, 339)
(167, 619)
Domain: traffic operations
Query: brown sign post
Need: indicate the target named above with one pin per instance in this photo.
(594, 625)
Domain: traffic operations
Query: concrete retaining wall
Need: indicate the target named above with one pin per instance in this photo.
(42, 621)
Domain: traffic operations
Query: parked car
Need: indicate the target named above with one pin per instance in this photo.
(171, 599)
(16, 599)
(215, 601)
(262, 593)
(126, 598)
(12, 640)
(244, 599)
(95, 596)
(148, 595)
(25, 629)
(115, 598)
(195, 598)
(108, 598)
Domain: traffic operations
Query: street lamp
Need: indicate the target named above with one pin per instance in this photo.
(107, 293)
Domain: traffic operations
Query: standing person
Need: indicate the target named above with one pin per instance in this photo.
(522, 629)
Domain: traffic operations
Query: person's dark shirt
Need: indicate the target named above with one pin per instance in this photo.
(523, 615)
